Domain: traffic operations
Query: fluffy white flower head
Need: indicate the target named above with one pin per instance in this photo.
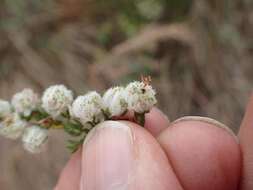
(12, 126)
(34, 138)
(56, 100)
(88, 108)
(5, 108)
(25, 101)
(115, 101)
(140, 96)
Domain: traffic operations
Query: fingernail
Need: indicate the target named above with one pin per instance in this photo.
(206, 120)
(108, 156)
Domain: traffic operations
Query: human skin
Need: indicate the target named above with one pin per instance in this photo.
(192, 153)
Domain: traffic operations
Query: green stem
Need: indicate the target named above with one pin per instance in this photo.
(140, 118)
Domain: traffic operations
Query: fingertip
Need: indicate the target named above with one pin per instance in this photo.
(156, 121)
(199, 150)
(121, 155)
(204, 121)
(107, 156)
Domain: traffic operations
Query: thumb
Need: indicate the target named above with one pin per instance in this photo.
(122, 155)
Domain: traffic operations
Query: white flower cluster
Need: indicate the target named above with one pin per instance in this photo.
(115, 101)
(12, 126)
(30, 117)
(141, 97)
(34, 138)
(5, 108)
(88, 108)
(137, 96)
(25, 102)
(56, 100)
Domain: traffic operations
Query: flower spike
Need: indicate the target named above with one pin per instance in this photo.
(31, 118)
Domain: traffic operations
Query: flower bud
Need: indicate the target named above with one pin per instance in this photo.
(115, 101)
(88, 108)
(25, 102)
(140, 96)
(34, 138)
(56, 100)
(5, 108)
(12, 126)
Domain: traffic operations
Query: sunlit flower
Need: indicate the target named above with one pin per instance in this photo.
(115, 101)
(88, 108)
(56, 100)
(34, 138)
(25, 102)
(12, 126)
(5, 108)
(140, 96)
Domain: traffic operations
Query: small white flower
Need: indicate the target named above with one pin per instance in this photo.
(34, 138)
(5, 108)
(115, 101)
(140, 96)
(12, 126)
(25, 101)
(56, 100)
(88, 108)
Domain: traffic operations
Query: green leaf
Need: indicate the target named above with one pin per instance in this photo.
(73, 129)
(73, 145)
(37, 115)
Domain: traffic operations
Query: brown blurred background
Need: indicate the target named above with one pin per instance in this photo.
(199, 54)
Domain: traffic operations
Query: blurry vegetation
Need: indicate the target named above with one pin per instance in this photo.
(114, 19)
(173, 39)
(198, 52)
(129, 16)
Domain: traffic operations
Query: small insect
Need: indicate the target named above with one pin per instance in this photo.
(146, 80)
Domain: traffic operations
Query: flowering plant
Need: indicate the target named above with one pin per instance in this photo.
(29, 117)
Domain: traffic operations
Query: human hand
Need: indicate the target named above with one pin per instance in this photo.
(194, 153)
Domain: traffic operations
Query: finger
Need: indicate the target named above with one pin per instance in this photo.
(203, 155)
(155, 120)
(122, 155)
(71, 174)
(246, 142)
